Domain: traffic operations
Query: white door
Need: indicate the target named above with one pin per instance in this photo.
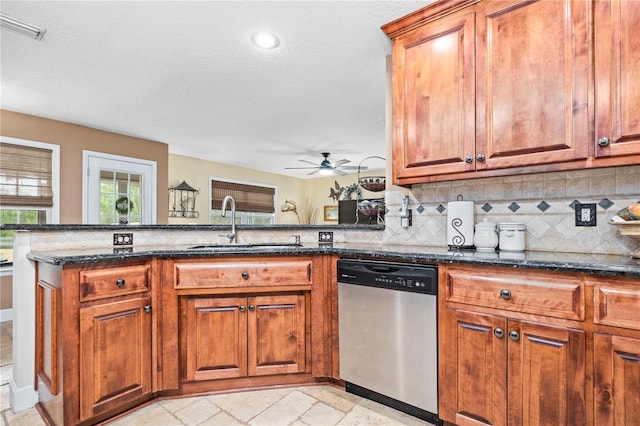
(118, 190)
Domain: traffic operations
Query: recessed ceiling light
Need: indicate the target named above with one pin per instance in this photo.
(265, 40)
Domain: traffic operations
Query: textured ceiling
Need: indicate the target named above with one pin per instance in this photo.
(185, 73)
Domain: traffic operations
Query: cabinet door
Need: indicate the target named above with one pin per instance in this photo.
(216, 338)
(532, 83)
(115, 355)
(617, 380)
(477, 393)
(617, 77)
(277, 334)
(433, 98)
(546, 379)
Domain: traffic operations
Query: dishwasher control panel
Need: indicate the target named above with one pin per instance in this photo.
(391, 275)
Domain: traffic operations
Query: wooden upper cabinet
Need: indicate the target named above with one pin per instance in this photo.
(617, 77)
(433, 98)
(532, 83)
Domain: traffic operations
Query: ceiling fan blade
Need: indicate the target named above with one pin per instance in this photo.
(353, 167)
(340, 162)
(300, 168)
(308, 162)
(339, 172)
(313, 172)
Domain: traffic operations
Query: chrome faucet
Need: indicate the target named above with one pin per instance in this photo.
(225, 201)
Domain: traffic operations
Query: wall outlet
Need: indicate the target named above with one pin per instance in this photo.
(325, 237)
(123, 239)
(585, 214)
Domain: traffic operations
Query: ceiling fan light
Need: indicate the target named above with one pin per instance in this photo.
(325, 171)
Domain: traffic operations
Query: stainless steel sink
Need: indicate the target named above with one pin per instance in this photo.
(245, 246)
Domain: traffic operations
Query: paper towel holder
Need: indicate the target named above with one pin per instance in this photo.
(460, 231)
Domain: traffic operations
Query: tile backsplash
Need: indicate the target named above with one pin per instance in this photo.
(544, 202)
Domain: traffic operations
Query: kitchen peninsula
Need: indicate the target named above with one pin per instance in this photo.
(156, 303)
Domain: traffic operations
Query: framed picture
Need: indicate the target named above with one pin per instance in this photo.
(331, 213)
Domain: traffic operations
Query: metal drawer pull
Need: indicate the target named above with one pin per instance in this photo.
(499, 333)
(468, 159)
(480, 157)
(603, 142)
(514, 335)
(505, 294)
(120, 282)
(242, 308)
(252, 308)
(245, 275)
(147, 308)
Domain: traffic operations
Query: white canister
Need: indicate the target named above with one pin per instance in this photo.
(512, 236)
(485, 237)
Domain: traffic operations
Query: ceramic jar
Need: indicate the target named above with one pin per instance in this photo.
(512, 236)
(485, 237)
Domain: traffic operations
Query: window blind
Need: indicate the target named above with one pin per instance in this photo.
(25, 176)
(248, 198)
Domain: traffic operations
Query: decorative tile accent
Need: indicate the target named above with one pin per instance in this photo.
(441, 208)
(573, 205)
(514, 207)
(605, 203)
(543, 206)
(486, 207)
(420, 209)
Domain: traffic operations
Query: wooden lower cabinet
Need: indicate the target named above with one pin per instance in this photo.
(617, 380)
(512, 372)
(230, 337)
(115, 354)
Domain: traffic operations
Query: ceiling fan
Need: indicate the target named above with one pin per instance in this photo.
(326, 167)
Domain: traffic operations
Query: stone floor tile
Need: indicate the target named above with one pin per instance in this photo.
(322, 414)
(197, 412)
(285, 410)
(6, 371)
(336, 398)
(4, 397)
(151, 415)
(365, 417)
(398, 416)
(29, 417)
(237, 405)
(222, 419)
(175, 404)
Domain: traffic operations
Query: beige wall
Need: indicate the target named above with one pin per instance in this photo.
(196, 172)
(73, 139)
(5, 292)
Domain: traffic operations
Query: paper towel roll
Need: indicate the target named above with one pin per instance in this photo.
(460, 224)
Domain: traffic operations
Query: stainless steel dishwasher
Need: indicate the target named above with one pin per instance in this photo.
(388, 334)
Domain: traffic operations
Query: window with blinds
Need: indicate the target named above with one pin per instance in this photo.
(25, 176)
(248, 198)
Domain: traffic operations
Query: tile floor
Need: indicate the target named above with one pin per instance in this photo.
(305, 405)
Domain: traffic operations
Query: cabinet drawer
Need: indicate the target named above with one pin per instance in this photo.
(102, 283)
(617, 305)
(243, 274)
(527, 292)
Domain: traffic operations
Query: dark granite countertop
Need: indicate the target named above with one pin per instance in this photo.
(612, 265)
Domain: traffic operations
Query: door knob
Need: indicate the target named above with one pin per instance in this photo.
(245, 275)
(499, 333)
(514, 335)
(480, 157)
(120, 282)
(603, 142)
(468, 159)
(147, 308)
(252, 308)
(243, 308)
(505, 294)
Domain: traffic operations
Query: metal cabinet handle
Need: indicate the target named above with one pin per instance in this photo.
(252, 308)
(245, 275)
(147, 309)
(514, 335)
(120, 282)
(468, 159)
(243, 308)
(480, 157)
(499, 333)
(505, 294)
(603, 142)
